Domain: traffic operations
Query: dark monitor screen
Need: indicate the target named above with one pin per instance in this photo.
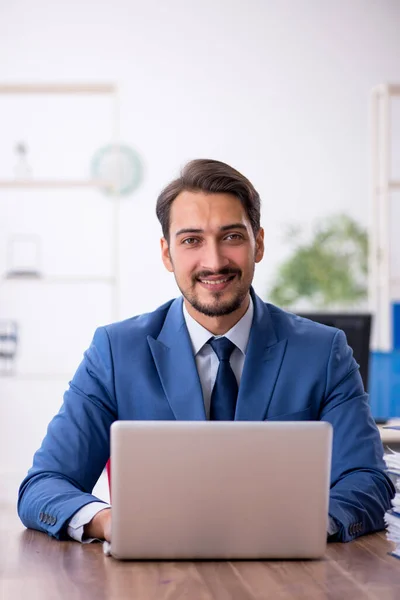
(357, 327)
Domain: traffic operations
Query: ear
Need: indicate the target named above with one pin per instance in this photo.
(259, 245)
(165, 255)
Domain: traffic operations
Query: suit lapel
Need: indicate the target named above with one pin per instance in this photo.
(261, 367)
(176, 366)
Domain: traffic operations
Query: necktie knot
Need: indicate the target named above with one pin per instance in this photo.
(222, 347)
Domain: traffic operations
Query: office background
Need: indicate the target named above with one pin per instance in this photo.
(278, 89)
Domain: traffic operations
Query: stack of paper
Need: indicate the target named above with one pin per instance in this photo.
(392, 517)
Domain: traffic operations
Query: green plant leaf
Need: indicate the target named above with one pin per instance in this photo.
(329, 270)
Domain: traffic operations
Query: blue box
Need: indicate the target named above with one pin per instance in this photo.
(384, 384)
(396, 325)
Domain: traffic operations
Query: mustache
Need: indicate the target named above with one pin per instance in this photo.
(221, 272)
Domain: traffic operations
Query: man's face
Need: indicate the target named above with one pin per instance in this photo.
(212, 251)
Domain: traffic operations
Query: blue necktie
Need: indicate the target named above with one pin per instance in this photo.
(225, 391)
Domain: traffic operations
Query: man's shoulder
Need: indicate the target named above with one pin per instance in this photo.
(142, 325)
(291, 325)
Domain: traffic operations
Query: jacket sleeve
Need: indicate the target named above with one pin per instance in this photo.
(75, 448)
(360, 489)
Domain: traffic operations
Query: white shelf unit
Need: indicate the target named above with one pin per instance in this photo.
(85, 88)
(39, 377)
(54, 183)
(56, 280)
(10, 184)
(381, 278)
(58, 88)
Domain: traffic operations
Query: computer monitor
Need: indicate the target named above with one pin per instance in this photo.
(357, 327)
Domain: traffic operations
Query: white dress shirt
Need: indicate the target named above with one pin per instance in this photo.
(207, 364)
(207, 361)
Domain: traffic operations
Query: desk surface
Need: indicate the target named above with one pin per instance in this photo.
(36, 567)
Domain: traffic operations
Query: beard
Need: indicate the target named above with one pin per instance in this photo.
(217, 307)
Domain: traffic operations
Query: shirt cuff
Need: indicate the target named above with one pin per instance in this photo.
(82, 518)
(333, 526)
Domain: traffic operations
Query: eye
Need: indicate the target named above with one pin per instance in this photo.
(190, 241)
(234, 237)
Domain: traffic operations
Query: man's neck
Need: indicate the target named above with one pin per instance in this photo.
(218, 325)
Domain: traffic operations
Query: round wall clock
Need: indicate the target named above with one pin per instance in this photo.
(121, 166)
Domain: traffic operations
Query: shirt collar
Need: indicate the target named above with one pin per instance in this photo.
(238, 334)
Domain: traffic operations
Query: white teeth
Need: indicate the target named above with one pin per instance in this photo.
(213, 282)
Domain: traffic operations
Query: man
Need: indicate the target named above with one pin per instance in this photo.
(217, 353)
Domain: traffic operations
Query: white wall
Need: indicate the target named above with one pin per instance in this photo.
(279, 89)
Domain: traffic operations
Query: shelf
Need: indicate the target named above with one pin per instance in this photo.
(393, 89)
(60, 279)
(392, 185)
(57, 88)
(54, 183)
(36, 377)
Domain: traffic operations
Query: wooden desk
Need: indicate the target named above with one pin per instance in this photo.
(36, 567)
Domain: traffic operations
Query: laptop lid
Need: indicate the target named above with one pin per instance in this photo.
(219, 490)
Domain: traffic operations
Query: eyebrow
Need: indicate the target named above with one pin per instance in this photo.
(223, 228)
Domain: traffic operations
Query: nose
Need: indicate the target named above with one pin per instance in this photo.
(213, 258)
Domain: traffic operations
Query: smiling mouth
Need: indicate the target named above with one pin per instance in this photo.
(217, 281)
(217, 284)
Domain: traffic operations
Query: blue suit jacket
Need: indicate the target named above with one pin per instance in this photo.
(144, 368)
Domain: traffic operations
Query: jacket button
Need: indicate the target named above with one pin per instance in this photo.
(53, 521)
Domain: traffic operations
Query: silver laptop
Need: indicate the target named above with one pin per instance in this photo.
(219, 490)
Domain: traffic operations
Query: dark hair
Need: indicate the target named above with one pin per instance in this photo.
(212, 177)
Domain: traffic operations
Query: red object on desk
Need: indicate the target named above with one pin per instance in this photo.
(108, 469)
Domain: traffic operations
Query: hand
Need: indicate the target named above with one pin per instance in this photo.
(100, 526)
